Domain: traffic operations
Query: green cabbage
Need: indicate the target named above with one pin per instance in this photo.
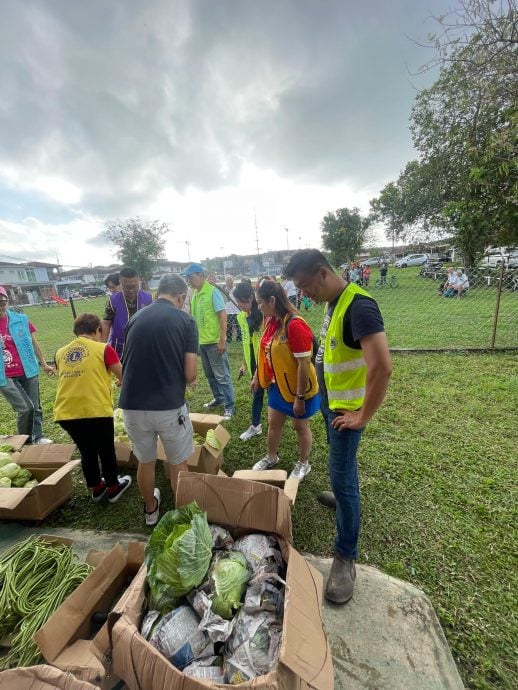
(10, 470)
(178, 554)
(4, 458)
(229, 577)
(5, 483)
(21, 478)
(31, 484)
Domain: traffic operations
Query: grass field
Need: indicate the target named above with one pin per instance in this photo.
(438, 475)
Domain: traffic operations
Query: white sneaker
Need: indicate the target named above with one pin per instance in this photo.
(300, 470)
(42, 441)
(152, 518)
(228, 413)
(265, 464)
(251, 431)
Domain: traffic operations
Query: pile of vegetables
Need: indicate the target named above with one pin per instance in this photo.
(12, 475)
(121, 435)
(216, 605)
(35, 578)
(6, 448)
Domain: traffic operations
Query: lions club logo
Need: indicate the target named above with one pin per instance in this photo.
(75, 355)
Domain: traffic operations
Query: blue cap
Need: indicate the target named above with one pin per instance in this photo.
(193, 268)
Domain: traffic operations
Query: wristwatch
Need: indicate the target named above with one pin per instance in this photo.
(300, 396)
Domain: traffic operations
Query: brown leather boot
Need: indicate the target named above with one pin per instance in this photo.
(340, 584)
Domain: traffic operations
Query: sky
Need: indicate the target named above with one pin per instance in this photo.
(214, 116)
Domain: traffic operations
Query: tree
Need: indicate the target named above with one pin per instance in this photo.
(464, 128)
(343, 234)
(140, 243)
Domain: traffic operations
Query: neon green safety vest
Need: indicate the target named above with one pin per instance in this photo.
(345, 370)
(245, 337)
(203, 312)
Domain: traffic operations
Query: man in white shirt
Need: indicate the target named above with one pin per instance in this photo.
(461, 283)
(290, 289)
(451, 282)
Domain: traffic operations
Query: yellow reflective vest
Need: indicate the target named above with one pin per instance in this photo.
(84, 383)
(247, 340)
(345, 369)
(284, 365)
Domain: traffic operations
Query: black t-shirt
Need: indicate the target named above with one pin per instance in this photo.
(361, 319)
(157, 339)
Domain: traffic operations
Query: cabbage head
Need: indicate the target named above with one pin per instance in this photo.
(10, 470)
(21, 478)
(4, 458)
(178, 554)
(5, 483)
(229, 577)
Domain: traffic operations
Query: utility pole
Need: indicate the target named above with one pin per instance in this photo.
(287, 239)
(188, 249)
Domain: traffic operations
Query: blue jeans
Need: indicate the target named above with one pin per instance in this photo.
(343, 472)
(23, 395)
(257, 405)
(217, 371)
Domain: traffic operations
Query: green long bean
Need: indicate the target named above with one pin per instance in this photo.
(35, 578)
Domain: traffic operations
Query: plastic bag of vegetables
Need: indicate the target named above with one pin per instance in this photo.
(178, 555)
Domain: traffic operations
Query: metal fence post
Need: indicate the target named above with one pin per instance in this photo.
(497, 306)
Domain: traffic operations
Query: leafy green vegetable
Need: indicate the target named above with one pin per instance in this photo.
(21, 478)
(5, 483)
(213, 440)
(31, 484)
(4, 458)
(6, 448)
(10, 470)
(178, 554)
(229, 575)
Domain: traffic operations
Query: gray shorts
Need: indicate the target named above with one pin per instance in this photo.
(173, 426)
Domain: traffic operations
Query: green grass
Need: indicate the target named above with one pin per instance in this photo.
(438, 475)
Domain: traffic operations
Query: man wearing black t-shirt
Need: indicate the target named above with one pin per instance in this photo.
(353, 367)
(160, 359)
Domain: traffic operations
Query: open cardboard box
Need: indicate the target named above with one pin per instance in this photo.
(16, 441)
(242, 506)
(41, 678)
(277, 478)
(55, 488)
(48, 455)
(124, 455)
(69, 639)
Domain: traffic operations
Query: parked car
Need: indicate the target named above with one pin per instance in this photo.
(439, 257)
(373, 261)
(494, 257)
(91, 292)
(411, 260)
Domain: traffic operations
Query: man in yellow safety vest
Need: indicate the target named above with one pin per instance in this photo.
(353, 368)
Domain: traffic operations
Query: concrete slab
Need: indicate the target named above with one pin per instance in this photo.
(386, 638)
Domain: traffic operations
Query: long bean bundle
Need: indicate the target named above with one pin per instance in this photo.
(35, 578)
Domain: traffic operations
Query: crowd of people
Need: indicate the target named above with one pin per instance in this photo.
(151, 348)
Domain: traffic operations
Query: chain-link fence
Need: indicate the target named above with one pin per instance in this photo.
(417, 315)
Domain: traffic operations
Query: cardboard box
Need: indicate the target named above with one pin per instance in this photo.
(124, 455)
(277, 478)
(15, 441)
(68, 639)
(242, 506)
(41, 678)
(48, 455)
(55, 488)
(205, 458)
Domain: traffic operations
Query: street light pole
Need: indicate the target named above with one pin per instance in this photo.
(188, 249)
(287, 239)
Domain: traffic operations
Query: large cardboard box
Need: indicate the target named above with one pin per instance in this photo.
(69, 640)
(41, 678)
(16, 441)
(54, 488)
(205, 458)
(48, 455)
(124, 455)
(241, 506)
(277, 478)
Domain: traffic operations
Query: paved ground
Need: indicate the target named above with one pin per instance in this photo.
(386, 638)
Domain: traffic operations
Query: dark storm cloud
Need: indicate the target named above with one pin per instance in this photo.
(124, 99)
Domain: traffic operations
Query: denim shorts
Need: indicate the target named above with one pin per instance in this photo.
(277, 402)
(174, 427)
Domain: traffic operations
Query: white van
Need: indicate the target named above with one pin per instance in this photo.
(494, 256)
